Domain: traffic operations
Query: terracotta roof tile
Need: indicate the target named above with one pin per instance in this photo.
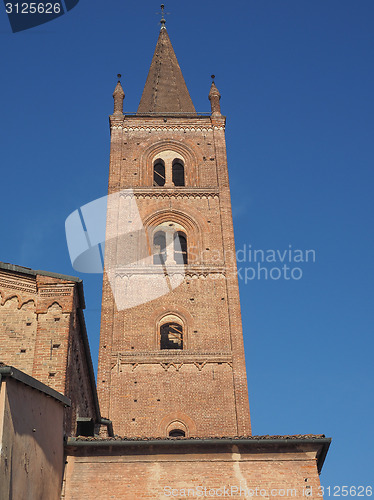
(249, 438)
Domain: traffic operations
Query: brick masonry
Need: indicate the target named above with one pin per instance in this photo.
(41, 334)
(201, 389)
(271, 468)
(140, 385)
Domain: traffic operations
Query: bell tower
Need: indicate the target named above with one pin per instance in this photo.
(171, 358)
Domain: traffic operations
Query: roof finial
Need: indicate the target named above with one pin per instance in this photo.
(119, 76)
(212, 77)
(163, 20)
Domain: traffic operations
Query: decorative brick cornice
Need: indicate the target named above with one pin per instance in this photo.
(23, 287)
(50, 293)
(196, 193)
(168, 359)
(16, 283)
(173, 128)
(56, 291)
(188, 271)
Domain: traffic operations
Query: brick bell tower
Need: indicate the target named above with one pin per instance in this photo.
(171, 358)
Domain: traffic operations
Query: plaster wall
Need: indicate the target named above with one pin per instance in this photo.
(31, 441)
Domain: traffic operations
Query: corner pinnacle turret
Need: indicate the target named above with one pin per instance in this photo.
(118, 96)
(214, 98)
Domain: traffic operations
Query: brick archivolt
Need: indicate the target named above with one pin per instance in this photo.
(173, 421)
(179, 425)
(178, 315)
(172, 318)
(155, 149)
(170, 215)
(159, 313)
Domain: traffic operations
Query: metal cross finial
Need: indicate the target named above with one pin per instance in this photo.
(163, 20)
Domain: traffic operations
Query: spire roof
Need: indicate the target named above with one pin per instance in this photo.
(165, 90)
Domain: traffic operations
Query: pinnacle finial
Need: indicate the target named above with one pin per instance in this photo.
(118, 96)
(214, 97)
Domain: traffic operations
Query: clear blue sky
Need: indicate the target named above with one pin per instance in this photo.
(297, 80)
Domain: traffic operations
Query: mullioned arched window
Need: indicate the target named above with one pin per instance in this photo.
(170, 245)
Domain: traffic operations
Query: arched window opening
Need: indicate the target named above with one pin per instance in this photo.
(176, 433)
(159, 248)
(171, 336)
(180, 248)
(159, 173)
(178, 173)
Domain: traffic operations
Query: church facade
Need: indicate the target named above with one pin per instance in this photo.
(170, 417)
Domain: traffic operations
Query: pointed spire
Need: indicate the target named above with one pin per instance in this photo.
(214, 98)
(118, 96)
(165, 90)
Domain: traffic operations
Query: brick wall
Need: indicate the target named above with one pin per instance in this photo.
(31, 441)
(18, 320)
(206, 381)
(42, 333)
(156, 471)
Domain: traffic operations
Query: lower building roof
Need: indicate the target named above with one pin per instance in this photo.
(10, 371)
(267, 444)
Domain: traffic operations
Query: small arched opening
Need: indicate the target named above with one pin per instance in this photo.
(171, 336)
(177, 428)
(175, 433)
(159, 248)
(178, 173)
(180, 248)
(159, 173)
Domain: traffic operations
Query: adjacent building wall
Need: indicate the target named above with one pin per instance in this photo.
(42, 332)
(140, 471)
(31, 440)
